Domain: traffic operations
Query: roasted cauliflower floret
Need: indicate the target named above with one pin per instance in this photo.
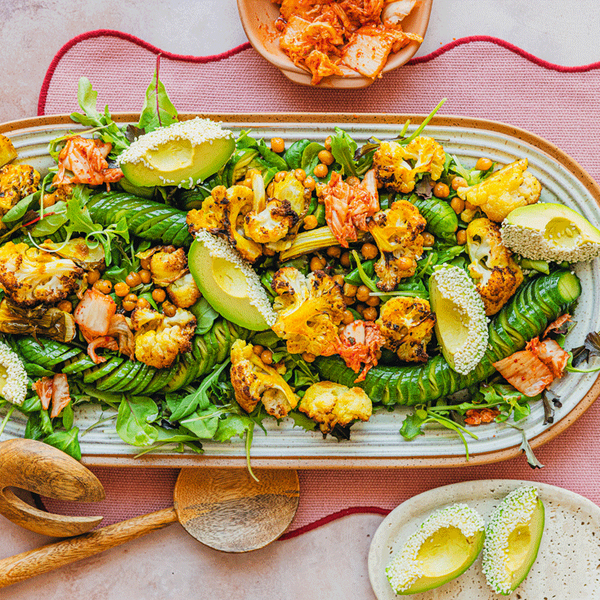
(159, 339)
(331, 404)
(223, 214)
(16, 182)
(184, 292)
(254, 381)
(407, 325)
(397, 166)
(497, 276)
(29, 276)
(7, 151)
(507, 189)
(167, 267)
(309, 311)
(397, 233)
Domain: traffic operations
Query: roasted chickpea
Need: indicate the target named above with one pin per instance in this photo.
(321, 170)
(360, 309)
(65, 306)
(457, 205)
(459, 182)
(300, 175)
(404, 263)
(345, 259)
(257, 349)
(370, 313)
(104, 286)
(352, 181)
(128, 305)
(339, 279)
(428, 239)
(121, 289)
(158, 295)
(168, 309)
(310, 222)
(131, 298)
(267, 357)
(49, 200)
(280, 176)
(334, 251)
(483, 164)
(369, 251)
(327, 143)
(247, 182)
(310, 183)
(441, 190)
(145, 276)
(317, 263)
(363, 293)
(461, 237)
(350, 290)
(326, 157)
(143, 303)
(347, 317)
(93, 276)
(133, 279)
(469, 206)
(373, 301)
(145, 263)
(348, 300)
(308, 357)
(277, 145)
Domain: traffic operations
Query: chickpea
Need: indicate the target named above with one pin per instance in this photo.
(267, 357)
(373, 301)
(469, 206)
(328, 142)
(247, 183)
(103, 285)
(280, 176)
(145, 276)
(49, 200)
(93, 276)
(345, 259)
(131, 298)
(65, 306)
(300, 175)
(363, 293)
(348, 300)
(360, 309)
(369, 251)
(339, 279)
(461, 237)
(352, 181)
(128, 306)
(143, 303)
(370, 313)
(404, 263)
(168, 309)
(350, 290)
(457, 205)
(317, 263)
(145, 263)
(159, 295)
(326, 157)
(277, 145)
(257, 349)
(321, 170)
(133, 279)
(310, 183)
(428, 239)
(441, 190)
(310, 222)
(334, 251)
(459, 182)
(308, 357)
(483, 164)
(121, 289)
(347, 317)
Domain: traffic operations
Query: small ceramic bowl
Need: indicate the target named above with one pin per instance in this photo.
(258, 19)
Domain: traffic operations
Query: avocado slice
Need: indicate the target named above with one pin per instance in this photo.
(461, 325)
(512, 540)
(183, 154)
(229, 284)
(444, 546)
(550, 232)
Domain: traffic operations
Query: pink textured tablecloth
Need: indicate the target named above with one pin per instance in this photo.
(481, 77)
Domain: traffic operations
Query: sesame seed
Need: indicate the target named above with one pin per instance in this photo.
(15, 388)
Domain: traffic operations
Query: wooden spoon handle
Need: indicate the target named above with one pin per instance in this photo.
(47, 558)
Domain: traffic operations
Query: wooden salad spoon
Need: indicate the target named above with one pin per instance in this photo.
(225, 509)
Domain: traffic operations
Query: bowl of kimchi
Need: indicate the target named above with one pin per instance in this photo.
(335, 44)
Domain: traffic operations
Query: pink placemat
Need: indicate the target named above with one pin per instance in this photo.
(481, 77)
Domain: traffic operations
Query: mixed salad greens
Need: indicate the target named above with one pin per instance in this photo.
(377, 276)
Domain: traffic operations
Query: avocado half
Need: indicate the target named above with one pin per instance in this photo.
(444, 546)
(229, 284)
(550, 232)
(512, 540)
(183, 154)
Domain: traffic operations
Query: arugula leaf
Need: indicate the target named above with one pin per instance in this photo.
(203, 423)
(343, 148)
(302, 421)
(134, 420)
(272, 158)
(51, 222)
(205, 315)
(67, 441)
(310, 158)
(412, 426)
(233, 425)
(293, 155)
(20, 208)
(158, 110)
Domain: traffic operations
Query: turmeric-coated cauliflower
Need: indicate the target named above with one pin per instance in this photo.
(16, 182)
(502, 192)
(223, 214)
(184, 292)
(167, 264)
(29, 276)
(497, 276)
(78, 250)
(159, 339)
(254, 381)
(309, 311)
(397, 233)
(331, 404)
(407, 325)
(397, 166)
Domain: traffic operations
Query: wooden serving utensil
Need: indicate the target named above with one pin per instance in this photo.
(222, 508)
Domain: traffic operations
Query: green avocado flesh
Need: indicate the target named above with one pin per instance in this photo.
(225, 287)
(450, 329)
(179, 162)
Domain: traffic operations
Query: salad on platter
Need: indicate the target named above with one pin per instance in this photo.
(195, 283)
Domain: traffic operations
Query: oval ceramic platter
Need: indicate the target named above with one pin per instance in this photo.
(376, 443)
(567, 561)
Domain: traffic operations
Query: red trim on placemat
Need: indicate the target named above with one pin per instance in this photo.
(353, 510)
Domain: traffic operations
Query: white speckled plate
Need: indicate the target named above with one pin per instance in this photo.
(567, 566)
(376, 443)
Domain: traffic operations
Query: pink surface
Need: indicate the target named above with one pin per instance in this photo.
(481, 77)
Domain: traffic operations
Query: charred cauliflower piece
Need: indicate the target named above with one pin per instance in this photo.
(184, 292)
(16, 182)
(166, 264)
(29, 276)
(331, 404)
(507, 189)
(497, 276)
(309, 311)
(254, 381)
(397, 166)
(397, 233)
(159, 339)
(223, 214)
(407, 325)
(7, 151)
